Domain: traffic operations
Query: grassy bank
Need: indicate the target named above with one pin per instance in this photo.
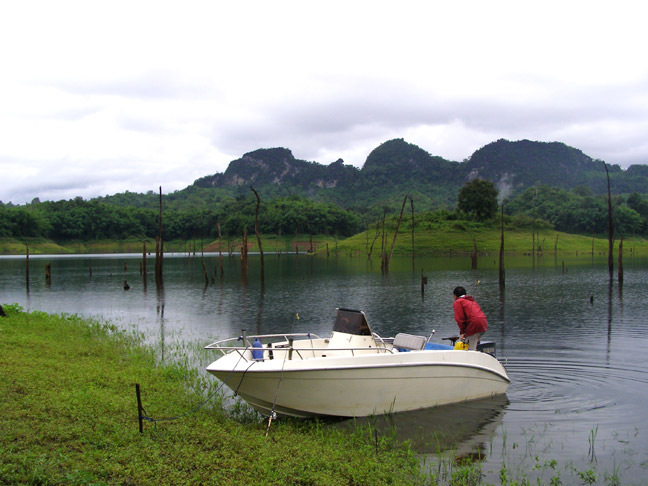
(452, 237)
(457, 237)
(69, 416)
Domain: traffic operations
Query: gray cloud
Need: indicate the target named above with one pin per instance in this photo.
(181, 92)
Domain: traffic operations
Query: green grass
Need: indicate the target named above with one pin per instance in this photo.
(457, 237)
(68, 415)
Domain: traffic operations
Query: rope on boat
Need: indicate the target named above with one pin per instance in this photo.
(242, 376)
(273, 415)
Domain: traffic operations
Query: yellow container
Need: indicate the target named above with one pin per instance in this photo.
(460, 345)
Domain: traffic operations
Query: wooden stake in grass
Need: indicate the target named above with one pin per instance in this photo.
(140, 408)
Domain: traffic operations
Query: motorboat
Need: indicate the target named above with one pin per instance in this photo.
(354, 372)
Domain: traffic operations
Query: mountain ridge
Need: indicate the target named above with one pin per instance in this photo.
(397, 167)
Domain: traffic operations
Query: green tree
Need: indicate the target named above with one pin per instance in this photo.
(478, 199)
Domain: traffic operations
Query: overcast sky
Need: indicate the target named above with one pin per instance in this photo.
(101, 97)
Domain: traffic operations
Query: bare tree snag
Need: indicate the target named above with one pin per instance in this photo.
(412, 209)
(610, 226)
(206, 275)
(27, 266)
(502, 279)
(400, 218)
(620, 269)
(383, 257)
(159, 250)
(244, 257)
(144, 263)
(256, 229)
(220, 247)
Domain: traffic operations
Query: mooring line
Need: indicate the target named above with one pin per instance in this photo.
(273, 415)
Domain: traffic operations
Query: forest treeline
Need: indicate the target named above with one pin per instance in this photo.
(572, 211)
(78, 219)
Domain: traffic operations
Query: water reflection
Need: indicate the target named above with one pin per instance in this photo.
(465, 428)
(160, 318)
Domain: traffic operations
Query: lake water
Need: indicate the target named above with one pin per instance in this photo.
(575, 346)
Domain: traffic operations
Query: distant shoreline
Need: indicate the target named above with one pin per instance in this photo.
(428, 242)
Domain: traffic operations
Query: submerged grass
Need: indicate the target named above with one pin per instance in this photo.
(68, 415)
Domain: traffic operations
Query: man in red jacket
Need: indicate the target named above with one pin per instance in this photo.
(470, 318)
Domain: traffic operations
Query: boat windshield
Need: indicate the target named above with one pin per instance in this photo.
(351, 322)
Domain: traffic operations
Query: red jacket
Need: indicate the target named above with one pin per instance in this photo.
(469, 316)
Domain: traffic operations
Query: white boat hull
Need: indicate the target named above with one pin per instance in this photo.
(361, 385)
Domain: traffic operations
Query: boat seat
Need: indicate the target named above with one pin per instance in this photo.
(409, 341)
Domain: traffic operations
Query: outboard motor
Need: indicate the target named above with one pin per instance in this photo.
(487, 347)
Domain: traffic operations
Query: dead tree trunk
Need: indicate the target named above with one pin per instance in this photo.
(205, 274)
(220, 247)
(382, 244)
(620, 269)
(502, 279)
(424, 281)
(369, 249)
(256, 229)
(610, 226)
(27, 267)
(412, 209)
(144, 271)
(244, 257)
(391, 250)
(533, 245)
(159, 251)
